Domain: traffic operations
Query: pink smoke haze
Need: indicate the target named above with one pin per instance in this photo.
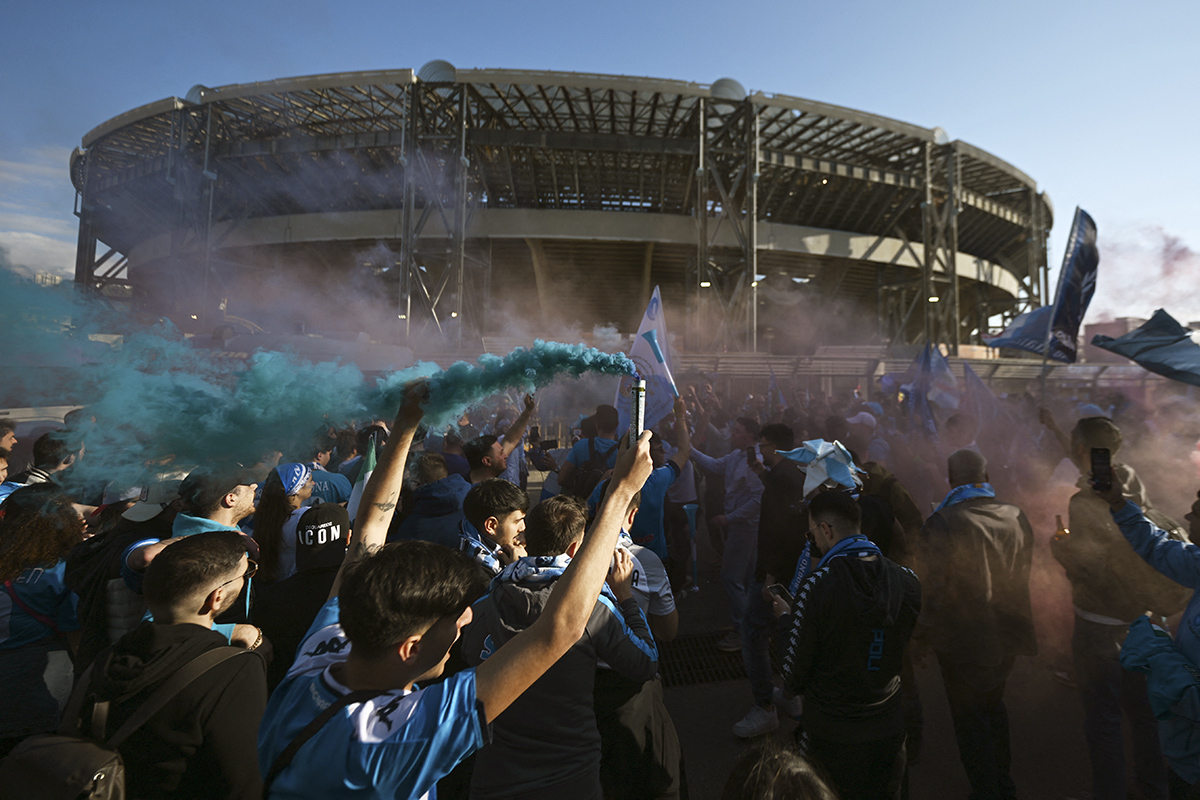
(1142, 269)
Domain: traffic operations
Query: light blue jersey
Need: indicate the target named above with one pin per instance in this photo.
(44, 593)
(397, 745)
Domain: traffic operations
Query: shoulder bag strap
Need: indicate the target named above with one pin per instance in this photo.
(171, 687)
(289, 752)
(19, 603)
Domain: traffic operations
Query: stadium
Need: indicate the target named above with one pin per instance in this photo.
(459, 199)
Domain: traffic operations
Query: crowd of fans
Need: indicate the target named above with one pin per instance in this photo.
(386, 612)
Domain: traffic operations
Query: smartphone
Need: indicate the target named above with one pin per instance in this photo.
(780, 591)
(751, 456)
(1102, 474)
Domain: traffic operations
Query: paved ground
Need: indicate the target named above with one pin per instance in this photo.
(1046, 718)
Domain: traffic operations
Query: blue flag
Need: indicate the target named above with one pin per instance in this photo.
(1162, 346)
(1028, 332)
(774, 393)
(929, 381)
(978, 399)
(1054, 330)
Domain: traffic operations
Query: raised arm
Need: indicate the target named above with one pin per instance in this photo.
(683, 436)
(382, 492)
(512, 437)
(516, 665)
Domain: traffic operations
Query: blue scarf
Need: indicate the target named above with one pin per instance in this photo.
(857, 545)
(541, 570)
(965, 492)
(801, 569)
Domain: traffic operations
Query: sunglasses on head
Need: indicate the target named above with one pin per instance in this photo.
(247, 575)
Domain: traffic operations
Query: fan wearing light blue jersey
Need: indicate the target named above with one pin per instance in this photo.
(392, 616)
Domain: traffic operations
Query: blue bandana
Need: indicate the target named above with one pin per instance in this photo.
(965, 492)
(294, 476)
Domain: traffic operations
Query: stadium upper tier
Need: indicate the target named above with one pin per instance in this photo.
(555, 158)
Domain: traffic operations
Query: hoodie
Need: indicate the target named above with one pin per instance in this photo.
(547, 740)
(852, 620)
(202, 743)
(437, 512)
(1108, 580)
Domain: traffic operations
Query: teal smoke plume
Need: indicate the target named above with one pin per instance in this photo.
(156, 395)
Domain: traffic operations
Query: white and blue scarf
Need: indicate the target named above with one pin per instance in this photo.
(539, 571)
(966, 492)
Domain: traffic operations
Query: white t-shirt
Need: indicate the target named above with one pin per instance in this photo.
(651, 589)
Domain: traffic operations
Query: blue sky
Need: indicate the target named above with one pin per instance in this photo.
(1097, 101)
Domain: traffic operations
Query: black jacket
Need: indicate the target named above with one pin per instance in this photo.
(975, 560)
(286, 610)
(204, 742)
(548, 735)
(782, 522)
(852, 621)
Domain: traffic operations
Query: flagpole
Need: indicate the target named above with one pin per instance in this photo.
(1062, 272)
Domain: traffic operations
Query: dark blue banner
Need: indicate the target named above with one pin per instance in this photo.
(1162, 346)
(1028, 332)
(1076, 282)
(1076, 285)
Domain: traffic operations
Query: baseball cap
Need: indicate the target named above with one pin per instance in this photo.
(205, 485)
(321, 537)
(862, 418)
(156, 495)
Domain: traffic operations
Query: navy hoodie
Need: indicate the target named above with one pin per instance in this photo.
(437, 511)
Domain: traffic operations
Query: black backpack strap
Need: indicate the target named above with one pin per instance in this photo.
(612, 450)
(69, 726)
(289, 752)
(165, 693)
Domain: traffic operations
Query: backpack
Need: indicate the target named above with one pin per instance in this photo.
(585, 479)
(64, 766)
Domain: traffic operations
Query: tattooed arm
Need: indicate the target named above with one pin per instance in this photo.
(382, 492)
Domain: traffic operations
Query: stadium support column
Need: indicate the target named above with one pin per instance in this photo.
(460, 221)
(751, 243)
(85, 250)
(939, 276)
(407, 227)
(695, 291)
(729, 158)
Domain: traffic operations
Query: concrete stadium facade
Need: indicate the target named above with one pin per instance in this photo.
(459, 198)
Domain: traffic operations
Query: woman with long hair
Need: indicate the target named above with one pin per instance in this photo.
(275, 517)
(38, 527)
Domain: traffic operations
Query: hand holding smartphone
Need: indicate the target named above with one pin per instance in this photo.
(1102, 473)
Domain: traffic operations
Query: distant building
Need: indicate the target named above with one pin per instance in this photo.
(1113, 328)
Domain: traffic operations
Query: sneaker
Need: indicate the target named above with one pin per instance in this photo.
(731, 642)
(756, 722)
(793, 706)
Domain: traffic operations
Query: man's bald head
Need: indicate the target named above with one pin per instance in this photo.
(967, 466)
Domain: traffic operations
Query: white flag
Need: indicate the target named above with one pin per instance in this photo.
(651, 352)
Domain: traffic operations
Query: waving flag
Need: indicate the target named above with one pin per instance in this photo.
(928, 382)
(364, 474)
(1162, 346)
(1054, 330)
(978, 400)
(651, 353)
(774, 393)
